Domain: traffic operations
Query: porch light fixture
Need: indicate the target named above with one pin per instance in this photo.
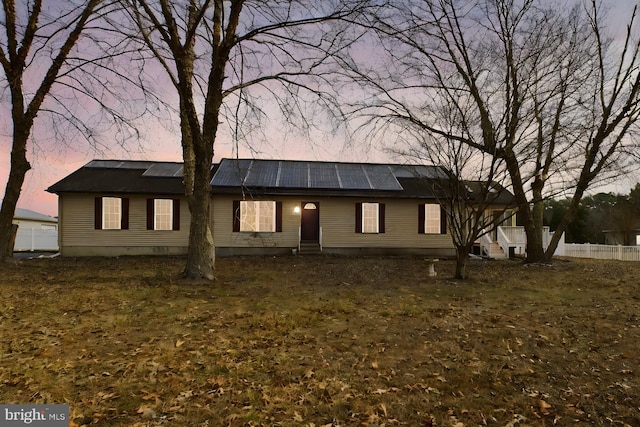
(296, 210)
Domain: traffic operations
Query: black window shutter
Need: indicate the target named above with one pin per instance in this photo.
(124, 224)
(236, 215)
(421, 218)
(278, 217)
(358, 217)
(443, 221)
(176, 214)
(150, 214)
(381, 220)
(98, 213)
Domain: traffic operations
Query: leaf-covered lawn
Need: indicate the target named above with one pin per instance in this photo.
(323, 341)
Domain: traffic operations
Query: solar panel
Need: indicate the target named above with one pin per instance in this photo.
(118, 164)
(381, 177)
(263, 173)
(353, 177)
(417, 171)
(323, 175)
(294, 175)
(403, 172)
(164, 170)
(231, 173)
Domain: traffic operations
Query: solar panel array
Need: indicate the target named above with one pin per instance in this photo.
(301, 174)
(154, 169)
(289, 173)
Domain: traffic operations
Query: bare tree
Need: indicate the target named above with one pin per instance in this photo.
(540, 90)
(53, 60)
(470, 191)
(217, 53)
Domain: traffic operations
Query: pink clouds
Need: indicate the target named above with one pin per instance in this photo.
(49, 164)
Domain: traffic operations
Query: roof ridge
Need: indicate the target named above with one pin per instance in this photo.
(228, 159)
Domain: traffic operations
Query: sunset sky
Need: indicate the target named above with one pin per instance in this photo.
(49, 166)
(52, 162)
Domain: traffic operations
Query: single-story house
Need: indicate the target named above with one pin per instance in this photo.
(112, 207)
(26, 218)
(36, 231)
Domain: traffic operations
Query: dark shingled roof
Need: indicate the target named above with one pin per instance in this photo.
(264, 177)
(114, 176)
(496, 194)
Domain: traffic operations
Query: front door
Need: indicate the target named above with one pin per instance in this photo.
(310, 221)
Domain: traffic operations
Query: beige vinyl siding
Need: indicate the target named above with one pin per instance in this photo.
(224, 236)
(337, 220)
(77, 225)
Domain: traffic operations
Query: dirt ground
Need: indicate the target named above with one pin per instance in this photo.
(323, 341)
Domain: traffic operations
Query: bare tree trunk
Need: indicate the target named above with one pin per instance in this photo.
(462, 255)
(269, 27)
(201, 255)
(532, 216)
(569, 216)
(21, 43)
(535, 250)
(535, 244)
(17, 173)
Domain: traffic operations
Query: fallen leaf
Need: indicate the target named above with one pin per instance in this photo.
(150, 396)
(544, 407)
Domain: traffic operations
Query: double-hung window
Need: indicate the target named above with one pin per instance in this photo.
(370, 218)
(257, 216)
(431, 219)
(163, 214)
(111, 213)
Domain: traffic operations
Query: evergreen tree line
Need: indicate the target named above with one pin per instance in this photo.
(618, 214)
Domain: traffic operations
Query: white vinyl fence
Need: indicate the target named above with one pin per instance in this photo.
(35, 239)
(586, 250)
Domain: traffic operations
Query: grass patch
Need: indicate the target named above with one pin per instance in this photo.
(323, 341)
